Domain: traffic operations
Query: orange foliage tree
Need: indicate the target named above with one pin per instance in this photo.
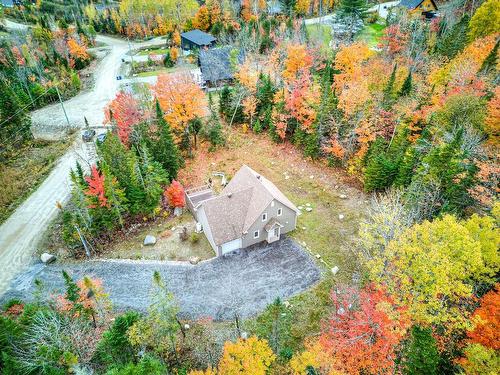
(298, 60)
(96, 188)
(486, 320)
(124, 110)
(175, 194)
(363, 333)
(181, 99)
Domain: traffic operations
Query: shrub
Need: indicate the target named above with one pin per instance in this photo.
(194, 238)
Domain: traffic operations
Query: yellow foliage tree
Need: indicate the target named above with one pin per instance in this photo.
(431, 267)
(298, 59)
(486, 20)
(251, 357)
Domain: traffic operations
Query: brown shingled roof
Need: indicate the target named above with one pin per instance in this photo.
(242, 201)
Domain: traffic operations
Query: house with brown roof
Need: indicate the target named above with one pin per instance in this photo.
(249, 210)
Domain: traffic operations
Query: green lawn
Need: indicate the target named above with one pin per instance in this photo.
(371, 34)
(157, 51)
(23, 172)
(320, 34)
(166, 70)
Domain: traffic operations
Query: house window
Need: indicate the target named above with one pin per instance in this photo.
(280, 211)
(256, 234)
(264, 216)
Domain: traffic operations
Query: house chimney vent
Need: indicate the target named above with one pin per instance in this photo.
(258, 176)
(230, 195)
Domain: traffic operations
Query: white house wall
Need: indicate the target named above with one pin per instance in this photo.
(201, 217)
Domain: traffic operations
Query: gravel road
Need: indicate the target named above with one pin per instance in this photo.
(22, 231)
(244, 282)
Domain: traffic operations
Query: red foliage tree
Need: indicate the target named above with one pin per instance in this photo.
(125, 111)
(487, 320)
(175, 194)
(363, 339)
(96, 188)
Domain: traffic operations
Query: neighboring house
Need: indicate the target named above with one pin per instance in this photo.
(216, 66)
(249, 210)
(426, 7)
(196, 39)
(7, 3)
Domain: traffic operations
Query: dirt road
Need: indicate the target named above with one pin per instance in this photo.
(21, 232)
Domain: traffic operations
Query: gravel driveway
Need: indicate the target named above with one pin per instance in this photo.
(243, 282)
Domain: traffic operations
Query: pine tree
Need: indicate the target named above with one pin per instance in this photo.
(490, 62)
(388, 98)
(380, 169)
(16, 122)
(421, 354)
(454, 40)
(351, 11)
(406, 89)
(153, 178)
(225, 101)
(165, 151)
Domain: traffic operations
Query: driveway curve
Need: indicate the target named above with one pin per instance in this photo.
(21, 232)
(242, 283)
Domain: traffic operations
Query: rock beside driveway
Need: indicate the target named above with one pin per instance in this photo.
(149, 240)
(47, 258)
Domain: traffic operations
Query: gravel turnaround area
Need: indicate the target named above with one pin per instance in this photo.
(242, 282)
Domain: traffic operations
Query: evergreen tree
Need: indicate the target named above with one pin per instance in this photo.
(165, 151)
(195, 126)
(421, 355)
(388, 98)
(153, 177)
(15, 121)
(351, 11)
(380, 169)
(406, 89)
(214, 132)
(490, 63)
(225, 101)
(453, 41)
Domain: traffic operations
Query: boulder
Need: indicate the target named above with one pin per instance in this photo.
(194, 260)
(341, 217)
(149, 240)
(335, 270)
(343, 196)
(47, 258)
(309, 209)
(300, 208)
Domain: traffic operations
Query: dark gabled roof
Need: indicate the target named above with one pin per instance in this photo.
(215, 63)
(412, 4)
(198, 37)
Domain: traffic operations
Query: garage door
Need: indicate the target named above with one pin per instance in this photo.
(231, 245)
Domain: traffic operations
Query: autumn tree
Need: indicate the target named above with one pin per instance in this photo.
(364, 331)
(486, 320)
(157, 331)
(431, 267)
(175, 195)
(125, 112)
(250, 356)
(484, 21)
(181, 100)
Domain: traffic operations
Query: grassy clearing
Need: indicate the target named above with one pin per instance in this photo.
(168, 246)
(303, 181)
(155, 51)
(320, 34)
(24, 172)
(166, 70)
(371, 34)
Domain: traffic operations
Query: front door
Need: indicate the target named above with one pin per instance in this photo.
(277, 232)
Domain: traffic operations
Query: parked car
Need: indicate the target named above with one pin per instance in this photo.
(88, 134)
(101, 138)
